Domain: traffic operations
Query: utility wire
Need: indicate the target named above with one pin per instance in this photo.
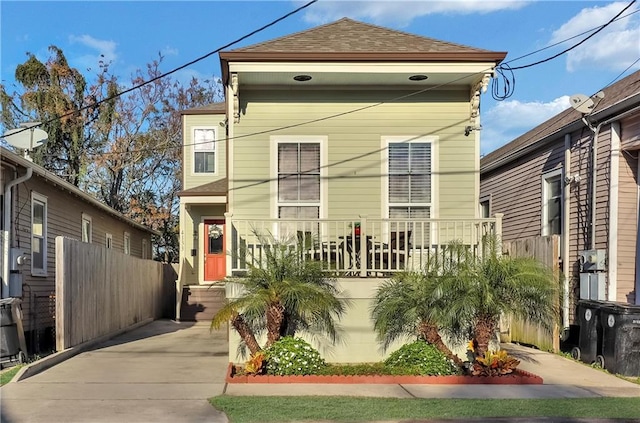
(135, 87)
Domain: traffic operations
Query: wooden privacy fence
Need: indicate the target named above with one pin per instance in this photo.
(545, 249)
(100, 291)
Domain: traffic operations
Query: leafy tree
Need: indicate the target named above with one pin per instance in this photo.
(284, 294)
(123, 149)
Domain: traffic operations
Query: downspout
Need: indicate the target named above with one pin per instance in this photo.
(8, 239)
(614, 178)
(565, 234)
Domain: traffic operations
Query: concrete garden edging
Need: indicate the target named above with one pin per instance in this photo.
(518, 377)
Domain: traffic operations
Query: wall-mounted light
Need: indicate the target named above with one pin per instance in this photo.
(418, 77)
(302, 78)
(469, 129)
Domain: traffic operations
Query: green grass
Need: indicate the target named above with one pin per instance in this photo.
(353, 409)
(7, 375)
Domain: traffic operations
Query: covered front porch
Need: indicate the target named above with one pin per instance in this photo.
(357, 247)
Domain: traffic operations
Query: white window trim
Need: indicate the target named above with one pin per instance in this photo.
(215, 151)
(108, 240)
(86, 218)
(482, 199)
(545, 208)
(386, 140)
(323, 141)
(126, 243)
(42, 199)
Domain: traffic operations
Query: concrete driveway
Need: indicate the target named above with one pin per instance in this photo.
(161, 372)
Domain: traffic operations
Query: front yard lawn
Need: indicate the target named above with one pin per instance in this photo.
(357, 409)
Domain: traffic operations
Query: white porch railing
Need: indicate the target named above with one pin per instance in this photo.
(358, 247)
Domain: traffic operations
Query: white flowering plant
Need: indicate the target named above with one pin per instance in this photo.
(293, 356)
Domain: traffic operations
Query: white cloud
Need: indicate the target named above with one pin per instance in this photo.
(104, 51)
(614, 48)
(169, 51)
(401, 13)
(510, 119)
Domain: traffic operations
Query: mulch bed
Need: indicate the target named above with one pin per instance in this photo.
(518, 377)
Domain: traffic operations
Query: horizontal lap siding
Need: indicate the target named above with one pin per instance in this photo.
(190, 121)
(628, 209)
(354, 159)
(64, 217)
(516, 191)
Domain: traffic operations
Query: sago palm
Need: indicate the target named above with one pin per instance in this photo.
(282, 294)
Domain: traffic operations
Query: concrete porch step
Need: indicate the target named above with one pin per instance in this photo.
(201, 302)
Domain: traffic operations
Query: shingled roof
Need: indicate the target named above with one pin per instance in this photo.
(349, 40)
(216, 188)
(213, 108)
(561, 123)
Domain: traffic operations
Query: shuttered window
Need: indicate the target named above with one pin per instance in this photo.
(409, 179)
(298, 180)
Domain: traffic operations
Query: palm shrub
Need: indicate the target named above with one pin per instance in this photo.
(283, 294)
(410, 304)
(493, 285)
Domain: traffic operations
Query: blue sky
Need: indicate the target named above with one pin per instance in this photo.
(131, 34)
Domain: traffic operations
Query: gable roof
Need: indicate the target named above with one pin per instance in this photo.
(349, 40)
(617, 98)
(61, 183)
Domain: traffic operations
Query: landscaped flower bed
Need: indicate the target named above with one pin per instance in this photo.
(518, 377)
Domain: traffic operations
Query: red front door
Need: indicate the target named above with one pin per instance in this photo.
(214, 254)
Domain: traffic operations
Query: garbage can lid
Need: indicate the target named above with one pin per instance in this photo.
(592, 303)
(9, 301)
(620, 308)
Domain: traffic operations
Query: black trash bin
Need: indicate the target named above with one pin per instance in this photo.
(621, 338)
(589, 349)
(9, 341)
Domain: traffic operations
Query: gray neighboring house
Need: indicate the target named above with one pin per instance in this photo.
(576, 175)
(38, 206)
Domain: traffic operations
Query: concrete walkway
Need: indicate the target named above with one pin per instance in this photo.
(161, 372)
(166, 371)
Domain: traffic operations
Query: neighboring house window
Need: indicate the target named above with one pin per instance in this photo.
(409, 184)
(552, 203)
(485, 207)
(38, 235)
(127, 243)
(108, 241)
(87, 228)
(298, 180)
(204, 150)
(145, 249)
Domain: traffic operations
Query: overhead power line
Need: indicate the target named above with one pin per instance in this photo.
(211, 53)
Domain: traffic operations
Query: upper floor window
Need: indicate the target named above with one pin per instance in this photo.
(204, 150)
(87, 228)
(552, 203)
(145, 248)
(409, 186)
(485, 207)
(298, 180)
(108, 240)
(38, 234)
(127, 243)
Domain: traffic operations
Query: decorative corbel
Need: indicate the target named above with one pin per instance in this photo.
(236, 101)
(476, 90)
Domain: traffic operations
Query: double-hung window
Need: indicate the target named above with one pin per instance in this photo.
(552, 203)
(298, 178)
(38, 235)
(87, 228)
(204, 150)
(409, 186)
(127, 243)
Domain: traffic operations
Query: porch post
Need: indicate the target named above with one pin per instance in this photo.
(499, 232)
(228, 242)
